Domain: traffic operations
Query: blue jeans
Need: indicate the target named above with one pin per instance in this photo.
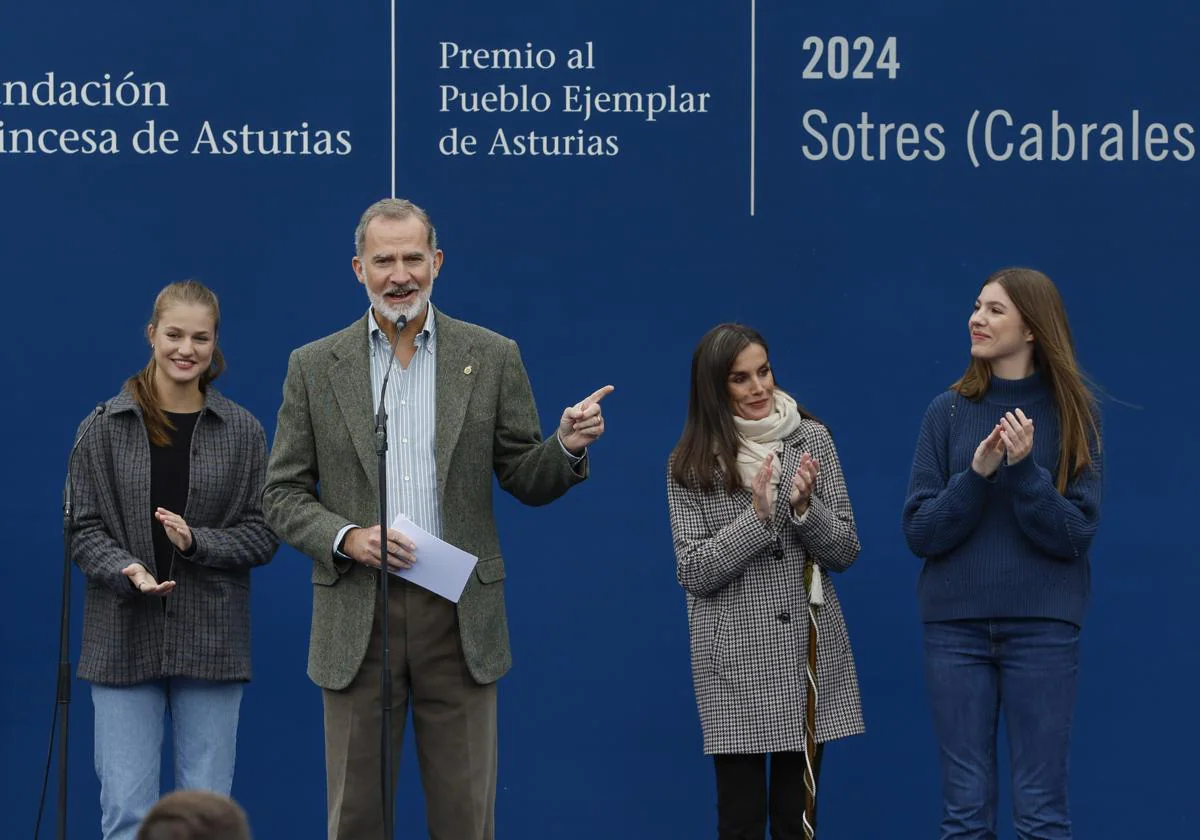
(1028, 668)
(129, 739)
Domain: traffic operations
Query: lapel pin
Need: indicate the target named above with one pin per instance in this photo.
(467, 370)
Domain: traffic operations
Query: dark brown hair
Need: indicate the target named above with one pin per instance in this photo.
(195, 815)
(141, 384)
(710, 438)
(1041, 308)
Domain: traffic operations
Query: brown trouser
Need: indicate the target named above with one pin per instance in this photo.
(454, 720)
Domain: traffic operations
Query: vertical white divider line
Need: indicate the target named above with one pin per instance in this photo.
(753, 83)
(393, 195)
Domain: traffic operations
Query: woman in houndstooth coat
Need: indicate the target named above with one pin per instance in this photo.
(758, 503)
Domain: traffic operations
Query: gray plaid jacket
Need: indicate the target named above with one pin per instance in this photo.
(202, 628)
(747, 607)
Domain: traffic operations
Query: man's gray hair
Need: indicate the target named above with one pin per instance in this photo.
(392, 208)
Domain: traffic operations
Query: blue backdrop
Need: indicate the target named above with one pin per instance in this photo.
(607, 268)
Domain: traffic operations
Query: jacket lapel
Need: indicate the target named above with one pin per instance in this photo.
(350, 376)
(130, 474)
(457, 371)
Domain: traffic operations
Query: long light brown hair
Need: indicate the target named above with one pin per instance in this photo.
(710, 437)
(1041, 308)
(141, 384)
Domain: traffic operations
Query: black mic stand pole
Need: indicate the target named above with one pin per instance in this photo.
(63, 693)
(385, 671)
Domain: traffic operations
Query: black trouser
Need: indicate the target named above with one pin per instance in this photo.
(743, 802)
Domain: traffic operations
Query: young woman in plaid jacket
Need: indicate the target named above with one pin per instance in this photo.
(168, 489)
(760, 517)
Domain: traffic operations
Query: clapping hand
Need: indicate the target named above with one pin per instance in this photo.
(144, 582)
(989, 453)
(1016, 430)
(761, 488)
(177, 529)
(804, 480)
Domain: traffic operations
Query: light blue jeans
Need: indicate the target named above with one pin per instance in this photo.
(129, 740)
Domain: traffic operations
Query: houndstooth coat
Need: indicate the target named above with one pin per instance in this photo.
(747, 608)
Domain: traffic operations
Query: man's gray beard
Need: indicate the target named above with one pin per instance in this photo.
(393, 312)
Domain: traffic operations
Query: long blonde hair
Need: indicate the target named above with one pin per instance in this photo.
(141, 384)
(1041, 308)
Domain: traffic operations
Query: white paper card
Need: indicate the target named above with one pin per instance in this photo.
(440, 567)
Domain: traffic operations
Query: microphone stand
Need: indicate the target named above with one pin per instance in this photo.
(385, 672)
(62, 699)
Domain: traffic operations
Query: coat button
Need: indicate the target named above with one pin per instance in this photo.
(784, 617)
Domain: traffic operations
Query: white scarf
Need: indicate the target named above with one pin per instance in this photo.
(759, 438)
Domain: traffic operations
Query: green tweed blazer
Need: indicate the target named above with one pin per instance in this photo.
(322, 476)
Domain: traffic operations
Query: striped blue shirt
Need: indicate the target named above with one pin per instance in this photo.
(411, 404)
(412, 412)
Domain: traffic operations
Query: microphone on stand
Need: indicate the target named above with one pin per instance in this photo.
(385, 673)
(380, 414)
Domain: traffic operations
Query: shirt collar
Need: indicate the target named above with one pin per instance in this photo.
(214, 403)
(424, 339)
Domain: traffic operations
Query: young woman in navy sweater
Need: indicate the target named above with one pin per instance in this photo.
(1003, 503)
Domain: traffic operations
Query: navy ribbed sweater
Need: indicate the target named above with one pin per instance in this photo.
(1010, 546)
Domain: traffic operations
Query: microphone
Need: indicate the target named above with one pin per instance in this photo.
(380, 415)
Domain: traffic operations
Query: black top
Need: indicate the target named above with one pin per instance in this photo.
(169, 466)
